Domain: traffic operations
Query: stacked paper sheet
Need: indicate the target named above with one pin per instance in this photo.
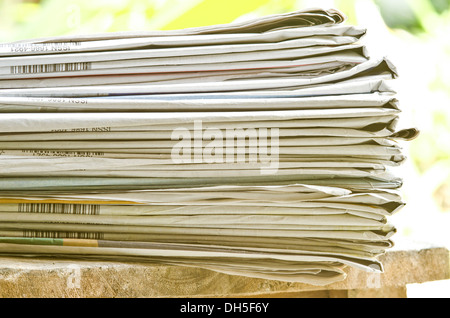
(259, 148)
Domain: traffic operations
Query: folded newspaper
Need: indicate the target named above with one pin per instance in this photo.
(265, 148)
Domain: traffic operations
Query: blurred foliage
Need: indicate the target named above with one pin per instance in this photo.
(433, 145)
(416, 23)
(400, 14)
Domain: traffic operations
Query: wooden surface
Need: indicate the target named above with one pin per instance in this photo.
(21, 277)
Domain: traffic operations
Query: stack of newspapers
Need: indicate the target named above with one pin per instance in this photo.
(261, 148)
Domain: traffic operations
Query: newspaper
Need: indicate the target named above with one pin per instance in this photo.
(370, 85)
(403, 134)
(17, 184)
(237, 85)
(312, 36)
(96, 165)
(298, 19)
(288, 267)
(303, 71)
(375, 99)
(22, 122)
(312, 45)
(217, 62)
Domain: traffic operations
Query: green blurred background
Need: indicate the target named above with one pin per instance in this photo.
(414, 34)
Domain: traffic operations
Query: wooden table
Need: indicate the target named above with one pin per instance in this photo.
(406, 263)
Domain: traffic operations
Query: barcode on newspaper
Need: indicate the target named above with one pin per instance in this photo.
(63, 208)
(50, 68)
(63, 234)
